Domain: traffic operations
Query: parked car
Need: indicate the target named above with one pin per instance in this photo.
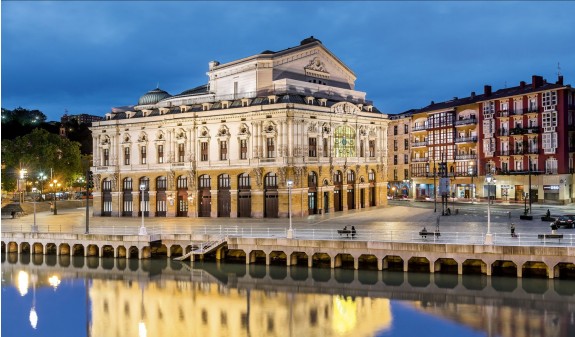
(567, 221)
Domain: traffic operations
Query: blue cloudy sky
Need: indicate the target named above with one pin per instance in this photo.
(87, 57)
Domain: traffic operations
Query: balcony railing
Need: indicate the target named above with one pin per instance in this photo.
(503, 113)
(503, 132)
(466, 121)
(420, 160)
(419, 128)
(518, 131)
(502, 153)
(466, 157)
(418, 144)
(532, 129)
(532, 151)
(466, 139)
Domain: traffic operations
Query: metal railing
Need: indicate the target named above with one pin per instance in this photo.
(382, 235)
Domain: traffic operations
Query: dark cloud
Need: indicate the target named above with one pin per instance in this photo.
(87, 57)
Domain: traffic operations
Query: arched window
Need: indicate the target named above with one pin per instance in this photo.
(337, 178)
(271, 181)
(182, 182)
(312, 179)
(344, 142)
(244, 181)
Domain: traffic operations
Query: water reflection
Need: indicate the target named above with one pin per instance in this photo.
(167, 298)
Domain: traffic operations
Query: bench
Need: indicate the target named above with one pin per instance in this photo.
(345, 232)
(424, 234)
(550, 236)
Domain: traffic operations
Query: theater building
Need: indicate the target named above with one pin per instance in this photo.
(265, 129)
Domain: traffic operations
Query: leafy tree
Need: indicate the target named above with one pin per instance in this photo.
(40, 151)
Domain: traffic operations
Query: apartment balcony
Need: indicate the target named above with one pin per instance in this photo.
(466, 157)
(518, 152)
(503, 132)
(466, 121)
(532, 151)
(419, 128)
(519, 172)
(419, 144)
(420, 160)
(532, 110)
(502, 113)
(466, 139)
(533, 129)
(502, 153)
(518, 131)
(517, 112)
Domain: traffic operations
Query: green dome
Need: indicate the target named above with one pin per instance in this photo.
(153, 97)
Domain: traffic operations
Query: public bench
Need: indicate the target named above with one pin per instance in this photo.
(345, 232)
(425, 233)
(550, 236)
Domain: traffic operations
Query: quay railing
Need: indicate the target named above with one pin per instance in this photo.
(373, 235)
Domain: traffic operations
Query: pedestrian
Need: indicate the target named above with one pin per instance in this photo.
(512, 230)
(353, 232)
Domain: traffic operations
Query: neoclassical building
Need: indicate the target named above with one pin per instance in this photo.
(263, 128)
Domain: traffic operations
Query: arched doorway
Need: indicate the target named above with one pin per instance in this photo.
(271, 196)
(337, 198)
(182, 190)
(127, 199)
(161, 187)
(371, 178)
(204, 196)
(224, 197)
(312, 193)
(144, 196)
(244, 196)
(107, 197)
(351, 189)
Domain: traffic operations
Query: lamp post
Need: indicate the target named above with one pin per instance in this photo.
(54, 186)
(290, 230)
(143, 230)
(489, 180)
(34, 226)
(41, 178)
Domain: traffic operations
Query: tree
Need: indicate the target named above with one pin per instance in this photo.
(40, 151)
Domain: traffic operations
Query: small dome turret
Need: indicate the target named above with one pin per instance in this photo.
(153, 97)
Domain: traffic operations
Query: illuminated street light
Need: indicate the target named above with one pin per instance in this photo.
(290, 230)
(489, 180)
(55, 186)
(143, 230)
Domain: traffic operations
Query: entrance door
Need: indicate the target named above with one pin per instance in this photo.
(224, 200)
(244, 204)
(337, 200)
(205, 203)
(326, 202)
(271, 204)
(182, 210)
(362, 198)
(312, 202)
(350, 198)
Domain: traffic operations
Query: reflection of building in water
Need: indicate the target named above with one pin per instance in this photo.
(172, 308)
(500, 320)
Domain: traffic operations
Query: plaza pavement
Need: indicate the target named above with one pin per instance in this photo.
(398, 216)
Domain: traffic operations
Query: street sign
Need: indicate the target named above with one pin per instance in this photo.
(444, 184)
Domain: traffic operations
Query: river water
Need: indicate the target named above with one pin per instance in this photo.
(76, 296)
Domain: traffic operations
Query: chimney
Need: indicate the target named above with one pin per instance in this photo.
(473, 94)
(522, 84)
(432, 102)
(487, 90)
(536, 81)
(560, 80)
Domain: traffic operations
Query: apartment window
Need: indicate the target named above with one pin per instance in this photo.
(519, 165)
(518, 106)
(549, 142)
(204, 151)
(532, 104)
(160, 154)
(106, 156)
(224, 150)
(551, 166)
(395, 130)
(406, 128)
(406, 159)
(395, 145)
(181, 152)
(312, 152)
(372, 148)
(126, 156)
(406, 144)
(405, 174)
(143, 154)
(394, 159)
(549, 99)
(549, 119)
(243, 149)
(488, 108)
(394, 174)
(325, 148)
(504, 106)
(270, 147)
(361, 148)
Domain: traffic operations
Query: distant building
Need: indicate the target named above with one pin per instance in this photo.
(81, 118)
(267, 131)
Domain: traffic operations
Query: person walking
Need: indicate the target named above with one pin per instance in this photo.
(512, 230)
(353, 232)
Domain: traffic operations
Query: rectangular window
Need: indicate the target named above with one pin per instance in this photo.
(243, 149)
(532, 105)
(406, 144)
(361, 148)
(395, 145)
(395, 130)
(126, 156)
(488, 108)
(143, 154)
(181, 152)
(312, 152)
(372, 148)
(223, 150)
(160, 154)
(394, 159)
(406, 128)
(549, 99)
(325, 148)
(405, 174)
(549, 141)
(106, 156)
(406, 159)
(270, 148)
(549, 119)
(204, 151)
(394, 174)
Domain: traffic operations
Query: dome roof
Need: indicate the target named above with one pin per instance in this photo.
(153, 97)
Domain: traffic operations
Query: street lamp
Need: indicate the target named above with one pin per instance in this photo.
(143, 230)
(290, 230)
(471, 172)
(54, 185)
(489, 180)
(34, 226)
(41, 178)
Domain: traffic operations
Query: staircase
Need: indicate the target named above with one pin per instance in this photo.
(203, 247)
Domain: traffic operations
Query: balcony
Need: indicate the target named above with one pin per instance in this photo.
(420, 160)
(518, 112)
(503, 132)
(419, 128)
(502, 113)
(518, 131)
(502, 153)
(532, 151)
(419, 144)
(532, 129)
(466, 157)
(532, 110)
(466, 121)
(466, 139)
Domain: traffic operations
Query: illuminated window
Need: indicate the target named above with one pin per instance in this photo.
(344, 144)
